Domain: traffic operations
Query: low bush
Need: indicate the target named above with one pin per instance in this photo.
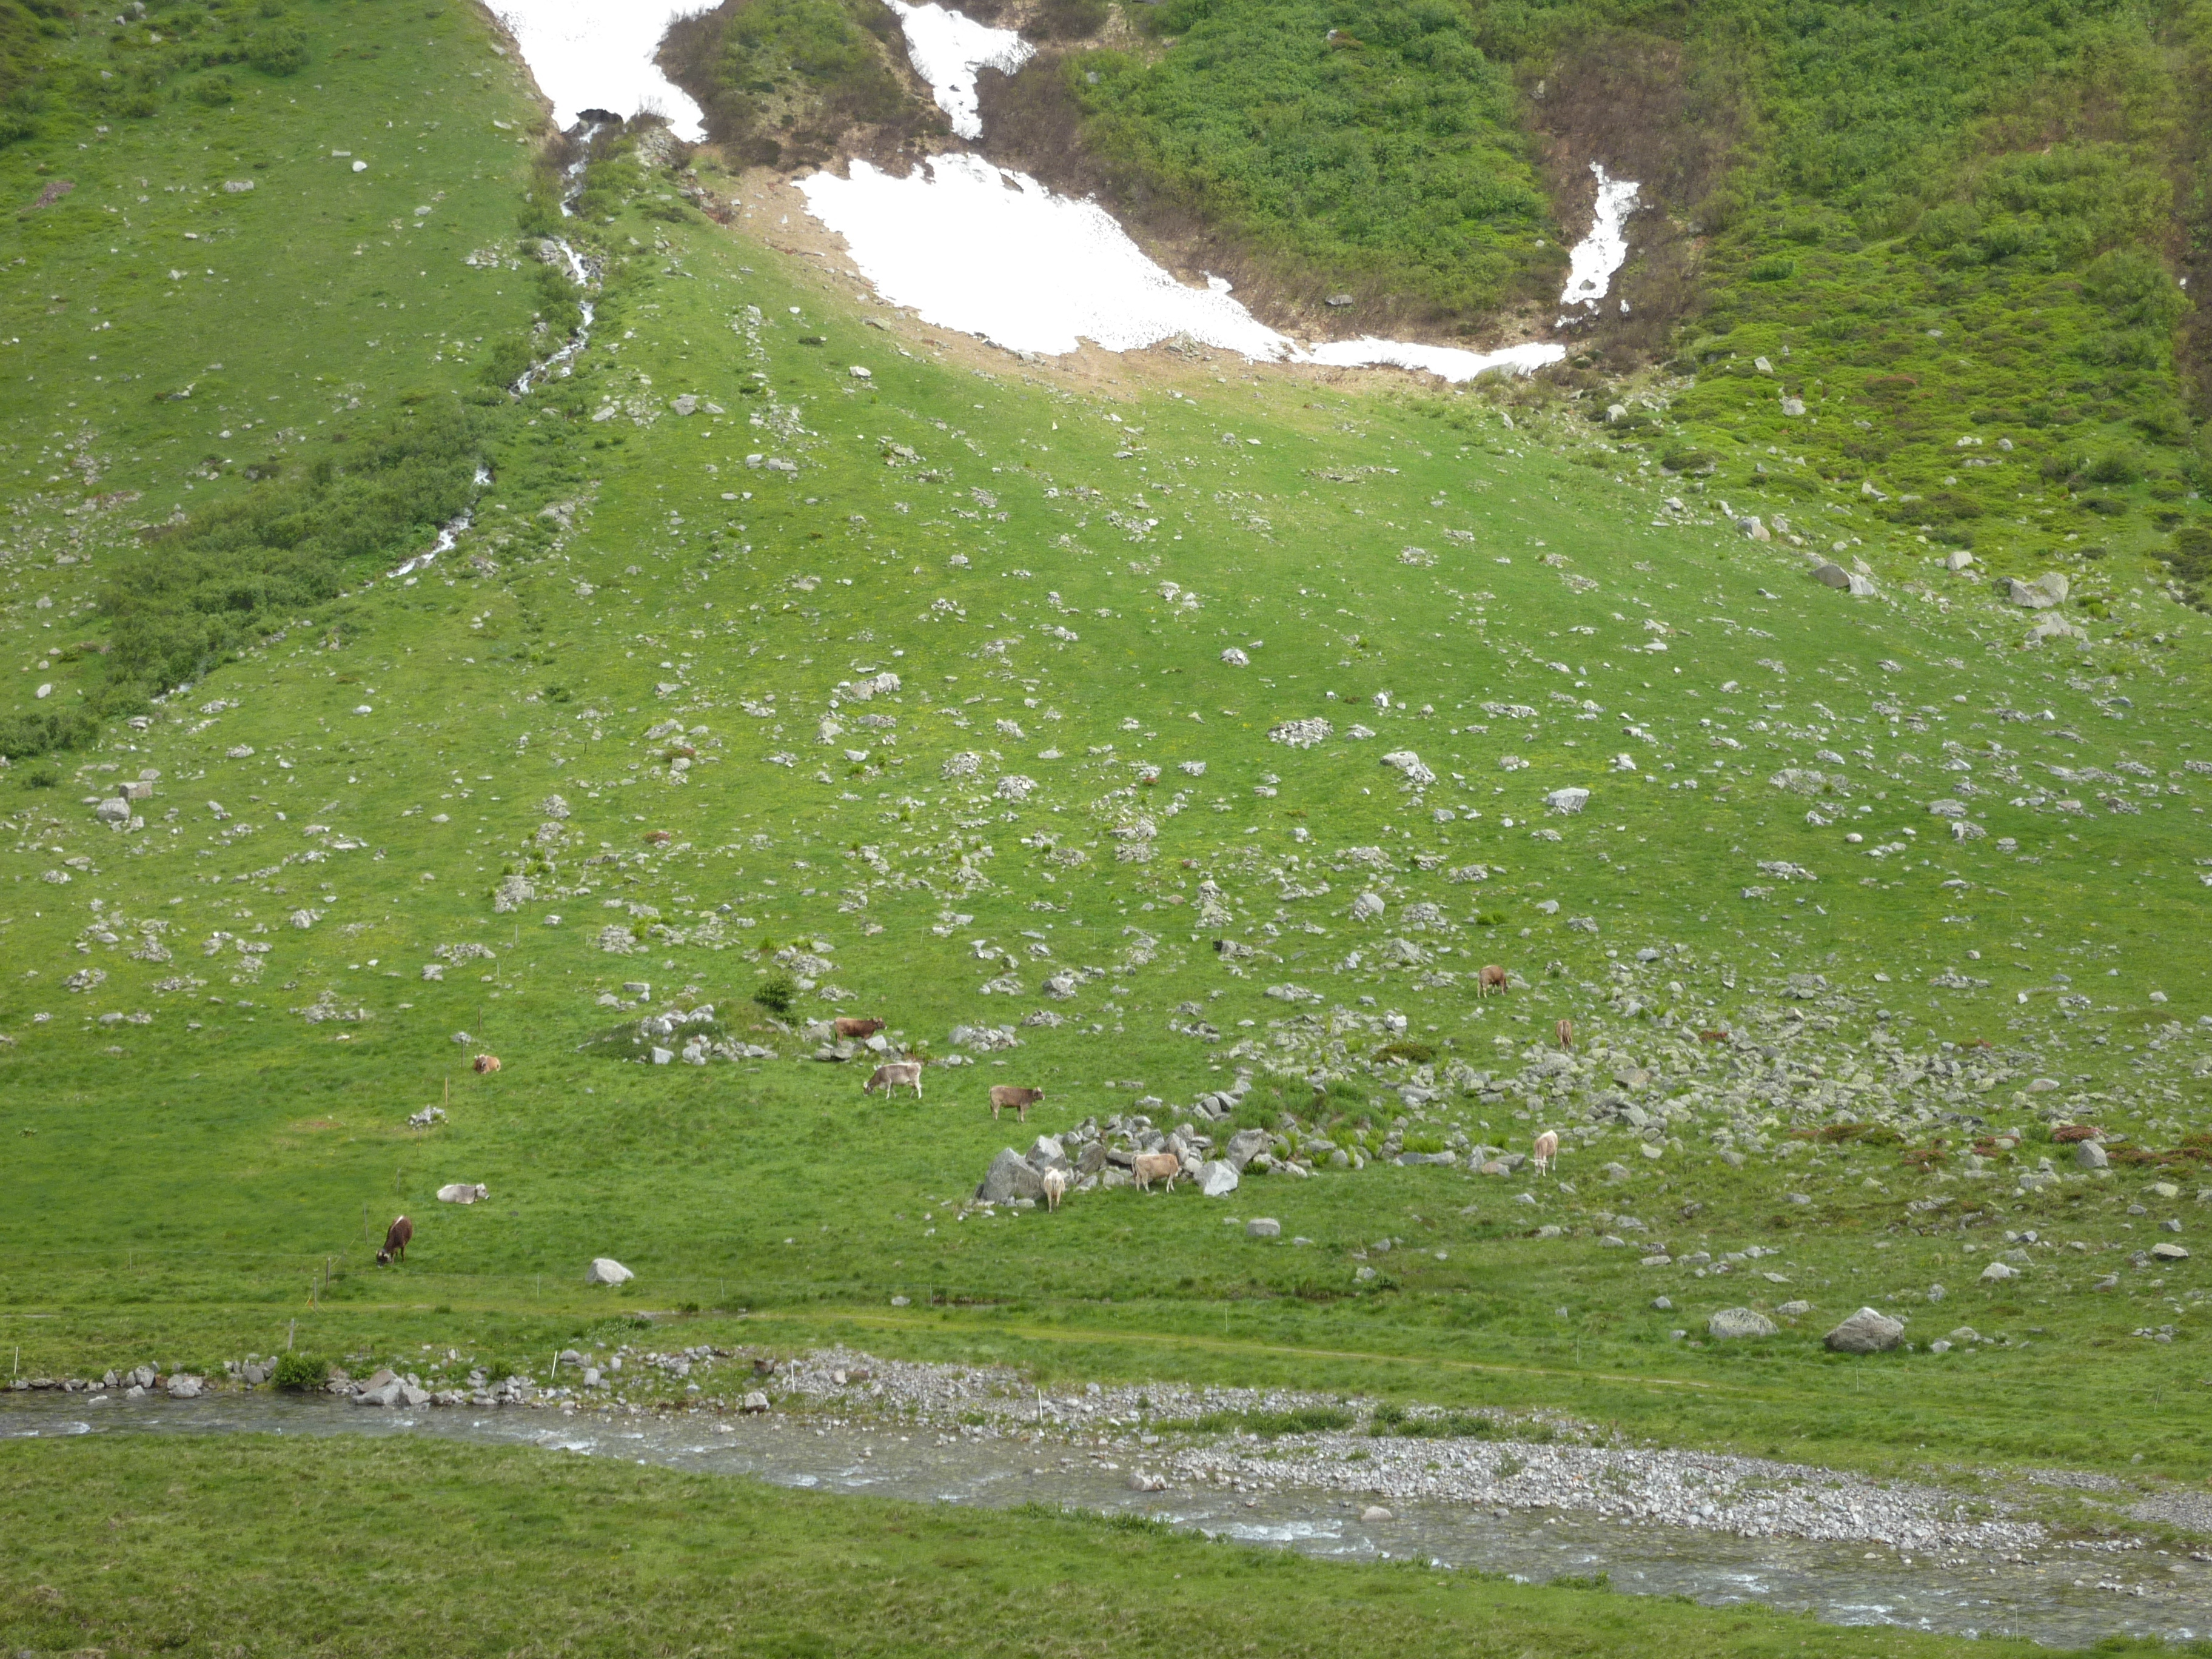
(301, 1373)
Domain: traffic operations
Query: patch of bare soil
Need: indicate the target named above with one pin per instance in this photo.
(1625, 100)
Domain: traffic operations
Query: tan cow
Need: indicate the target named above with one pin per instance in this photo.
(1005, 1094)
(487, 1063)
(1490, 981)
(1545, 1149)
(1567, 1034)
(1055, 1187)
(858, 1028)
(1148, 1167)
(896, 1074)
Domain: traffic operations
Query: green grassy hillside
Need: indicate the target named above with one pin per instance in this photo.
(1958, 234)
(764, 683)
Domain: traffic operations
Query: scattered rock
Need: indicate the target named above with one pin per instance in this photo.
(1730, 1323)
(1374, 1512)
(1866, 1331)
(1263, 1227)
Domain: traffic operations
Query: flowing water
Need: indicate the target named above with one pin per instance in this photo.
(2058, 1596)
(584, 275)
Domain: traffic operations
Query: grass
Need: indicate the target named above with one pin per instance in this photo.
(1371, 144)
(137, 1545)
(350, 878)
(1952, 227)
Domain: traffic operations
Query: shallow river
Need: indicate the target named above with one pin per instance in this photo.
(2061, 1596)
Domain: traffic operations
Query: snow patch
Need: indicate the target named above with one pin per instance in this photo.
(946, 48)
(1593, 261)
(586, 54)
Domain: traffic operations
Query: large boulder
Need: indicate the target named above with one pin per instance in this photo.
(1010, 1176)
(2089, 1155)
(1092, 1158)
(1243, 1146)
(1047, 1153)
(181, 1387)
(605, 1270)
(1730, 1323)
(1866, 1331)
(1217, 1178)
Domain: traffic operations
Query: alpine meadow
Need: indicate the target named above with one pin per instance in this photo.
(1323, 827)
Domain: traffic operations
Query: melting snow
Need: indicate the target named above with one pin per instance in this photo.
(947, 48)
(1448, 362)
(587, 54)
(974, 247)
(1598, 255)
(995, 253)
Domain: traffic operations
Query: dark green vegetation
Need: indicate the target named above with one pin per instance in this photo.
(789, 81)
(1375, 144)
(341, 1546)
(1953, 229)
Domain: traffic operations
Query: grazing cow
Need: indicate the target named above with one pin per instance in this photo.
(1055, 1187)
(1545, 1149)
(1712, 1036)
(485, 1063)
(395, 1241)
(1005, 1094)
(894, 1075)
(857, 1028)
(1567, 1034)
(1148, 1167)
(1490, 980)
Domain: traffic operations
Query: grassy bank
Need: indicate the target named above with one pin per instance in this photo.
(268, 1545)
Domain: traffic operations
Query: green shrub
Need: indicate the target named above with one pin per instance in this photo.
(301, 1373)
(2117, 466)
(279, 51)
(215, 90)
(776, 993)
(1418, 1054)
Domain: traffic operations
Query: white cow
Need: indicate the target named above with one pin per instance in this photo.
(896, 1074)
(1545, 1149)
(1055, 1187)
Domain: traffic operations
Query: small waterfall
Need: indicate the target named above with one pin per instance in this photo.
(581, 272)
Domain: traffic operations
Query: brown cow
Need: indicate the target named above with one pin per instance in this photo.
(1490, 980)
(1005, 1094)
(857, 1028)
(1148, 1167)
(486, 1063)
(395, 1241)
(1566, 1034)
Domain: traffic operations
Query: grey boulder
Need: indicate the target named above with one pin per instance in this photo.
(1730, 1323)
(185, 1387)
(1010, 1176)
(1263, 1227)
(1243, 1146)
(1216, 1178)
(2089, 1155)
(1866, 1331)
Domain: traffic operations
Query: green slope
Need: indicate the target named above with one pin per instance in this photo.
(219, 1018)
